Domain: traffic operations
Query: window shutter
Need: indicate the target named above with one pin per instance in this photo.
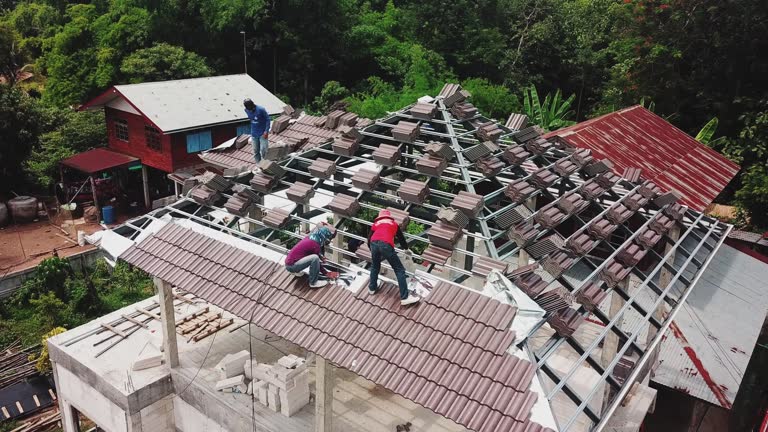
(206, 141)
(193, 143)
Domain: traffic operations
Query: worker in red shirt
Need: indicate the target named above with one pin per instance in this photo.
(381, 241)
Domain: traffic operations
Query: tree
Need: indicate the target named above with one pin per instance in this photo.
(21, 122)
(331, 93)
(12, 55)
(493, 100)
(162, 62)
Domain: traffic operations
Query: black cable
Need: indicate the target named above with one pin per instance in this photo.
(253, 388)
(204, 358)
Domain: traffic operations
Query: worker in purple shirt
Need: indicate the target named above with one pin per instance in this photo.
(310, 253)
(259, 118)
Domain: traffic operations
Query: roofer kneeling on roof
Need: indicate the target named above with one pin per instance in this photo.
(259, 118)
(381, 241)
(310, 252)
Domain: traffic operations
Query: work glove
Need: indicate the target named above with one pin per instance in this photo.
(332, 275)
(266, 135)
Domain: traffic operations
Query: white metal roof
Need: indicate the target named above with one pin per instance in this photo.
(707, 349)
(178, 105)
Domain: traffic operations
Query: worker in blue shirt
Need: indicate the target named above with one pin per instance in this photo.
(259, 129)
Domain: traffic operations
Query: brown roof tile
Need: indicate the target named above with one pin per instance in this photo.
(632, 174)
(523, 234)
(345, 146)
(489, 131)
(441, 150)
(546, 245)
(607, 179)
(463, 110)
(280, 124)
(538, 145)
(512, 216)
(406, 131)
(531, 284)
(647, 238)
(263, 183)
(387, 154)
(549, 217)
(516, 121)
(469, 203)
(631, 254)
(649, 190)
(557, 263)
(555, 299)
(444, 235)
(676, 211)
(344, 205)
(572, 203)
(590, 296)
(437, 255)
(519, 190)
(366, 179)
(300, 193)
(661, 223)
(479, 151)
(272, 168)
(590, 190)
(565, 167)
(483, 266)
(614, 272)
(582, 157)
(205, 195)
(277, 218)
(543, 178)
(580, 243)
(401, 217)
(667, 198)
(619, 214)
(490, 166)
(525, 135)
(424, 111)
(413, 191)
(453, 217)
(598, 167)
(601, 229)
(322, 168)
(515, 155)
(565, 321)
(431, 165)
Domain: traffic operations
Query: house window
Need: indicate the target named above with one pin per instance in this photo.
(153, 138)
(199, 141)
(121, 129)
(243, 129)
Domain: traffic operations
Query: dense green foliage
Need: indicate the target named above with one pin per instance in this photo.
(56, 296)
(690, 60)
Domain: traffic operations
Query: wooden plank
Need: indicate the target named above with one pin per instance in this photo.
(135, 321)
(53, 395)
(182, 298)
(192, 316)
(213, 330)
(5, 413)
(148, 313)
(37, 401)
(239, 326)
(114, 330)
(18, 405)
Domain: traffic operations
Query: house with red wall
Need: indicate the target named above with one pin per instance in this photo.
(166, 124)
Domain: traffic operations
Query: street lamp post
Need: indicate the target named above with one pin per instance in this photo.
(245, 57)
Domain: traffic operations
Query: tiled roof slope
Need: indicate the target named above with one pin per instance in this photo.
(637, 138)
(447, 354)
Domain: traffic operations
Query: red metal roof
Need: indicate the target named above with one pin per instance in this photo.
(637, 138)
(447, 353)
(97, 160)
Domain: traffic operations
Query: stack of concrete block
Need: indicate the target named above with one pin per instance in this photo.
(233, 385)
(283, 387)
(148, 360)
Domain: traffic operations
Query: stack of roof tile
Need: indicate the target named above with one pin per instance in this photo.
(444, 235)
(522, 270)
(572, 203)
(543, 178)
(647, 238)
(318, 121)
(277, 218)
(406, 131)
(205, 195)
(300, 193)
(263, 183)
(401, 217)
(516, 155)
(441, 150)
(607, 179)
(322, 168)
(590, 296)
(631, 255)
(549, 217)
(525, 135)
(619, 213)
(480, 151)
(555, 299)
(387, 155)
(634, 201)
(590, 190)
(366, 179)
(453, 217)
(483, 266)
(523, 234)
(278, 149)
(649, 190)
(580, 243)
(452, 93)
(214, 181)
(661, 223)
(241, 141)
(437, 255)
(332, 119)
(345, 146)
(601, 229)
(489, 131)
(531, 284)
(516, 121)
(565, 167)
(344, 205)
(538, 146)
(582, 157)
(632, 174)
(431, 165)
(614, 272)
(598, 167)
(489, 166)
(424, 111)
(545, 246)
(557, 263)
(290, 111)
(463, 110)
(519, 190)
(675, 211)
(241, 200)
(469, 203)
(272, 168)
(565, 321)
(413, 191)
(667, 198)
(351, 133)
(512, 216)
(348, 119)
(280, 124)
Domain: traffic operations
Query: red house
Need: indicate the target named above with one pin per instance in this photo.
(166, 124)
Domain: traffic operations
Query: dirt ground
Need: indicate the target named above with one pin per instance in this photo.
(25, 245)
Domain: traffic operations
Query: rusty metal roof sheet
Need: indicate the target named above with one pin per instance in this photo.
(636, 137)
(447, 353)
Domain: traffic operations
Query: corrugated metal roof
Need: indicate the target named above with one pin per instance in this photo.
(637, 138)
(179, 105)
(707, 349)
(447, 353)
(97, 160)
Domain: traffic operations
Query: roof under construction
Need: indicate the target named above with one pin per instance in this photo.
(478, 199)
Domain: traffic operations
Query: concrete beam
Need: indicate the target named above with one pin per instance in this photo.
(324, 395)
(611, 341)
(168, 319)
(665, 277)
(629, 416)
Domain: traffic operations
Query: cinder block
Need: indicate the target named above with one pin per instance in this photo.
(232, 385)
(261, 372)
(232, 364)
(249, 367)
(289, 361)
(260, 389)
(273, 399)
(148, 360)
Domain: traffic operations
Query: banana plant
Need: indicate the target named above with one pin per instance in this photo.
(707, 132)
(553, 113)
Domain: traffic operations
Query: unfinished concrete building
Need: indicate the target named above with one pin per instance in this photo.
(548, 282)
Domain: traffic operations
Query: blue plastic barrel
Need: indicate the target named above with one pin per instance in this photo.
(109, 214)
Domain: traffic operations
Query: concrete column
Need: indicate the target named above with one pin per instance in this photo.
(70, 420)
(324, 395)
(256, 213)
(337, 242)
(145, 183)
(611, 341)
(176, 190)
(168, 319)
(304, 225)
